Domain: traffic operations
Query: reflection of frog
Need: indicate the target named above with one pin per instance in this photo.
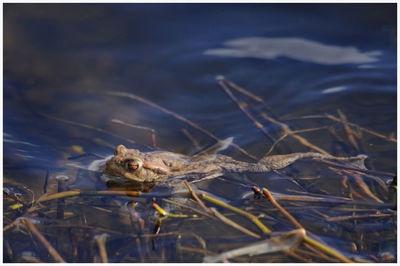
(153, 167)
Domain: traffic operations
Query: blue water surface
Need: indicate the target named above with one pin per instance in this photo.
(62, 60)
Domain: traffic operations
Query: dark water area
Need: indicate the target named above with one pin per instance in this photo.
(63, 64)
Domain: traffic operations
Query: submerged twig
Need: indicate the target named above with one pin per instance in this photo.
(354, 217)
(101, 244)
(163, 212)
(307, 239)
(253, 218)
(233, 224)
(72, 193)
(42, 240)
(195, 196)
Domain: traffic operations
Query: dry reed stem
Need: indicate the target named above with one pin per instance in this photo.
(53, 253)
(11, 225)
(243, 108)
(188, 207)
(281, 209)
(153, 132)
(327, 250)
(370, 171)
(233, 224)
(287, 131)
(360, 182)
(72, 193)
(250, 216)
(353, 217)
(163, 212)
(306, 239)
(101, 244)
(331, 117)
(285, 127)
(195, 196)
(241, 90)
(179, 117)
(87, 126)
(197, 250)
(316, 252)
(349, 132)
(191, 138)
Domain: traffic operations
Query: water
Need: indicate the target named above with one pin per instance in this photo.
(302, 59)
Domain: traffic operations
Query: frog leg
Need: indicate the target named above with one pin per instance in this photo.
(275, 162)
(208, 177)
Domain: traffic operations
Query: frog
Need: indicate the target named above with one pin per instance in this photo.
(157, 166)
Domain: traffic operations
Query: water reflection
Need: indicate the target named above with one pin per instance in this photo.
(294, 48)
(63, 66)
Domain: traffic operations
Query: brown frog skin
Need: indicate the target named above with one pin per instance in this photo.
(153, 167)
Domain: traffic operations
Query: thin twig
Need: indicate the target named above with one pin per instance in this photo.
(277, 205)
(286, 130)
(349, 132)
(306, 239)
(179, 117)
(370, 171)
(233, 224)
(191, 138)
(353, 217)
(250, 216)
(43, 240)
(101, 244)
(331, 117)
(87, 126)
(360, 182)
(243, 108)
(153, 132)
(195, 196)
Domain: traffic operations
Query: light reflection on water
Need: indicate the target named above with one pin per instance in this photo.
(61, 60)
(294, 48)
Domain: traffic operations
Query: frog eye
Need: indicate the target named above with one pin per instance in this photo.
(132, 165)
